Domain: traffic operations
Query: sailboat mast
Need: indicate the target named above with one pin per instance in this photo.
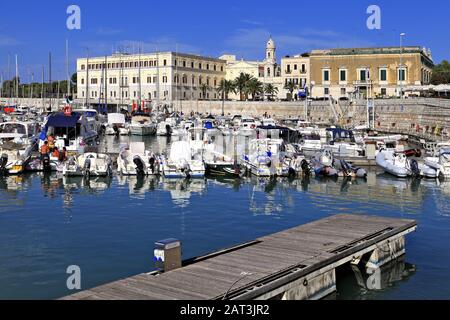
(139, 64)
(17, 80)
(42, 88)
(67, 69)
(87, 79)
(106, 83)
(50, 78)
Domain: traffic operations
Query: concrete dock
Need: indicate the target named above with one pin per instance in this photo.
(299, 263)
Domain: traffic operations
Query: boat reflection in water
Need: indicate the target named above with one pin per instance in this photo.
(353, 282)
(181, 190)
(139, 185)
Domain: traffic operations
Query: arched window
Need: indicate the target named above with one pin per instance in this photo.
(268, 72)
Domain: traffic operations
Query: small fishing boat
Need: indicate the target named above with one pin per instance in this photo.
(135, 160)
(181, 162)
(88, 164)
(142, 125)
(117, 125)
(266, 158)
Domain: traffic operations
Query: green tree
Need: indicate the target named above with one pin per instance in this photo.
(441, 73)
(204, 88)
(241, 84)
(270, 90)
(253, 87)
(224, 88)
(290, 86)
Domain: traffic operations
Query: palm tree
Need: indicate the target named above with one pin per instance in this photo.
(204, 87)
(225, 87)
(271, 90)
(253, 87)
(290, 86)
(241, 83)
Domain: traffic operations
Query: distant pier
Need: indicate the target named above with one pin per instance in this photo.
(296, 264)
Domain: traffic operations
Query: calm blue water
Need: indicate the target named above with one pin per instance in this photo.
(109, 227)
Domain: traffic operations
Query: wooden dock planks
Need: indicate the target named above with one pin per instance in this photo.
(311, 246)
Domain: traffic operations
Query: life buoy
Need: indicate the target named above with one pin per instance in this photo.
(67, 110)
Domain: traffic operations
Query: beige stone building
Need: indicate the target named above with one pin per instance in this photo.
(375, 72)
(295, 69)
(155, 77)
(268, 71)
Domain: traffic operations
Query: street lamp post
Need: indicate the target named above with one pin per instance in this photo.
(401, 65)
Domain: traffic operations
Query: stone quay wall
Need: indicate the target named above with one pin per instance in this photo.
(426, 118)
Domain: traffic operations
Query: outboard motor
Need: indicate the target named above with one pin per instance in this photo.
(139, 166)
(87, 167)
(305, 167)
(116, 129)
(3, 163)
(46, 166)
(415, 168)
(168, 130)
(152, 161)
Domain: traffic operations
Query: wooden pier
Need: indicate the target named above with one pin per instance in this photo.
(295, 264)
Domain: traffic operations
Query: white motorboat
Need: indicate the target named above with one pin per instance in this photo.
(266, 158)
(311, 143)
(25, 134)
(440, 163)
(142, 125)
(167, 127)
(397, 164)
(12, 162)
(135, 160)
(88, 164)
(117, 125)
(183, 162)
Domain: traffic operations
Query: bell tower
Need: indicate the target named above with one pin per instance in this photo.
(271, 60)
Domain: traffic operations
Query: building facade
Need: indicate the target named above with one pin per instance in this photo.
(266, 71)
(373, 72)
(296, 70)
(155, 77)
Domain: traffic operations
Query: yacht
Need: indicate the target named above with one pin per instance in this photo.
(73, 132)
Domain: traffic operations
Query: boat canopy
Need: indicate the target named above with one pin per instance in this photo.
(341, 134)
(116, 118)
(60, 120)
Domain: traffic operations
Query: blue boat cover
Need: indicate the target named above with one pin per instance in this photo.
(60, 120)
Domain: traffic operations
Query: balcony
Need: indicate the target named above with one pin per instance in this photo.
(363, 82)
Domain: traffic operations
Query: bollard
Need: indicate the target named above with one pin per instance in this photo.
(167, 255)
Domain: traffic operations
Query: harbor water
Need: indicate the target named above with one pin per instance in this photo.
(108, 226)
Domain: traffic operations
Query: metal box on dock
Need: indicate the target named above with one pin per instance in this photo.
(167, 255)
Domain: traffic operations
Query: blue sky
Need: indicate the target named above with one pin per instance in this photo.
(211, 28)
